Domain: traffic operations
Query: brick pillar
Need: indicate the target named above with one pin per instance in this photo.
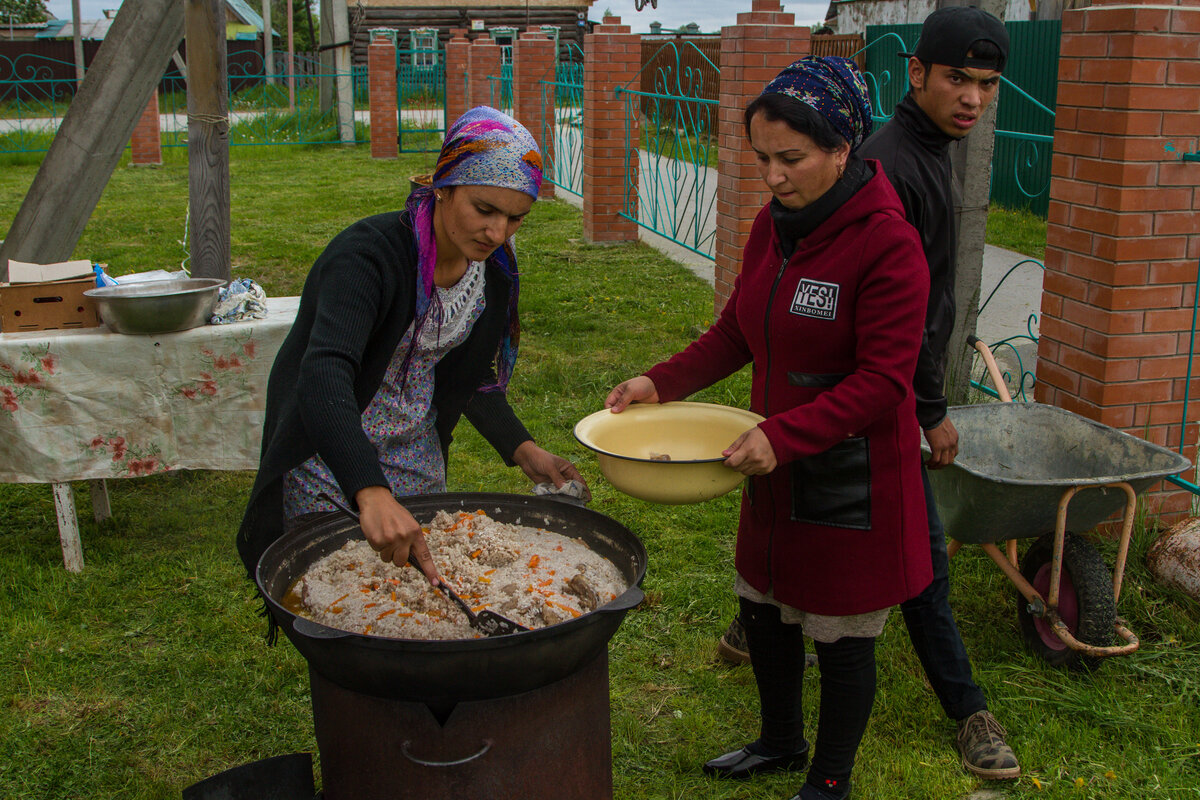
(457, 71)
(145, 144)
(534, 60)
(763, 42)
(612, 58)
(381, 82)
(1123, 233)
(483, 61)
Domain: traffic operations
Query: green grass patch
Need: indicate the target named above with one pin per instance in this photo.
(1017, 229)
(147, 672)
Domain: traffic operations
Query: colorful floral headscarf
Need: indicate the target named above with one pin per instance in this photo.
(834, 88)
(484, 147)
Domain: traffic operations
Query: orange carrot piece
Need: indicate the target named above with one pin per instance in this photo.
(335, 602)
(546, 582)
(476, 553)
(385, 613)
(568, 609)
(534, 560)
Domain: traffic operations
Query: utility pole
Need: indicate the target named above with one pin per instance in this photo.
(77, 38)
(973, 162)
(341, 60)
(268, 44)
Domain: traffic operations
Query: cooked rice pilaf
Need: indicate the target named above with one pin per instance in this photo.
(532, 576)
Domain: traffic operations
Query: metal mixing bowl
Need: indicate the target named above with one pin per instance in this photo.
(631, 447)
(157, 306)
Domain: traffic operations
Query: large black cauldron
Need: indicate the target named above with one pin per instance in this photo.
(443, 673)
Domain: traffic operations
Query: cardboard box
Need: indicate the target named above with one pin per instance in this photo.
(52, 300)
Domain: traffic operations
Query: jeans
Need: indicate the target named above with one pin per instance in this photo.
(934, 633)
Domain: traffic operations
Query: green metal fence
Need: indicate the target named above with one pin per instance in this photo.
(34, 96)
(676, 148)
(502, 89)
(421, 99)
(282, 108)
(562, 124)
(285, 108)
(1025, 111)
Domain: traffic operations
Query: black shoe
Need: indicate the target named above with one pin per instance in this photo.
(743, 763)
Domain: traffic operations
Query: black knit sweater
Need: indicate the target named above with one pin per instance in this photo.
(357, 302)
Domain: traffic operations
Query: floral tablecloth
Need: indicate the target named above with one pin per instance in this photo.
(88, 403)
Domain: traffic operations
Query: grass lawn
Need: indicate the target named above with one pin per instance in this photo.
(147, 672)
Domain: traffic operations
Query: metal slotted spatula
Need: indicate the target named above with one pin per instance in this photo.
(489, 623)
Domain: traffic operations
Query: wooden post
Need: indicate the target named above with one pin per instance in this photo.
(208, 139)
(268, 44)
(341, 61)
(976, 177)
(126, 70)
(68, 527)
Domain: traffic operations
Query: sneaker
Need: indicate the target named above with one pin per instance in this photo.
(984, 752)
(732, 644)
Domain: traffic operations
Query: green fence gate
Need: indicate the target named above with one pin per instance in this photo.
(421, 99)
(673, 100)
(562, 123)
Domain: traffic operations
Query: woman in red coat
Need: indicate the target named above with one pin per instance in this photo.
(829, 308)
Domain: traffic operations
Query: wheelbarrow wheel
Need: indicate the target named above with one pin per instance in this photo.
(1085, 601)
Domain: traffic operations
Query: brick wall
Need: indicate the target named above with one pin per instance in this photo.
(534, 59)
(145, 144)
(458, 53)
(381, 81)
(483, 61)
(612, 57)
(1123, 235)
(763, 42)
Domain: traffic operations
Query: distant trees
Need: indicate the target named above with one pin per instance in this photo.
(18, 11)
(305, 23)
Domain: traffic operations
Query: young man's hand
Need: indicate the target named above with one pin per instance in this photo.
(943, 444)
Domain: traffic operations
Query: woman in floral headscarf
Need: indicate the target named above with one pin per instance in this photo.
(829, 308)
(407, 321)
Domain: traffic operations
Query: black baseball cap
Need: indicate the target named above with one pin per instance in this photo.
(948, 34)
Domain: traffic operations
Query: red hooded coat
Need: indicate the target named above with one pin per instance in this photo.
(833, 333)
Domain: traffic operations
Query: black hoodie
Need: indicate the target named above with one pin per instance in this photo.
(915, 155)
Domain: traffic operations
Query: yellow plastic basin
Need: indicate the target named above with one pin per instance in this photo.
(692, 434)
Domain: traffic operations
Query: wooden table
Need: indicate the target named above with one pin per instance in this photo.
(90, 404)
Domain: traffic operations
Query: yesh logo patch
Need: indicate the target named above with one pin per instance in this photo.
(815, 299)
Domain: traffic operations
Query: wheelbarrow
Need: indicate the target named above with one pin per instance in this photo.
(1027, 470)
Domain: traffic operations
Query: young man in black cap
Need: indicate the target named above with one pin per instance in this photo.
(953, 75)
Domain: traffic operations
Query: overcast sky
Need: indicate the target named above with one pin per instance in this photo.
(710, 15)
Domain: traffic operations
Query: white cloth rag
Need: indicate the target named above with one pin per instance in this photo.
(241, 299)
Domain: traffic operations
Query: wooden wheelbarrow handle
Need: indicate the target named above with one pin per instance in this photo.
(992, 369)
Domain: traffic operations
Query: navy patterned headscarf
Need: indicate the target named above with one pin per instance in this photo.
(834, 88)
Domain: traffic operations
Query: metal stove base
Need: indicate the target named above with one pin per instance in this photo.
(547, 744)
